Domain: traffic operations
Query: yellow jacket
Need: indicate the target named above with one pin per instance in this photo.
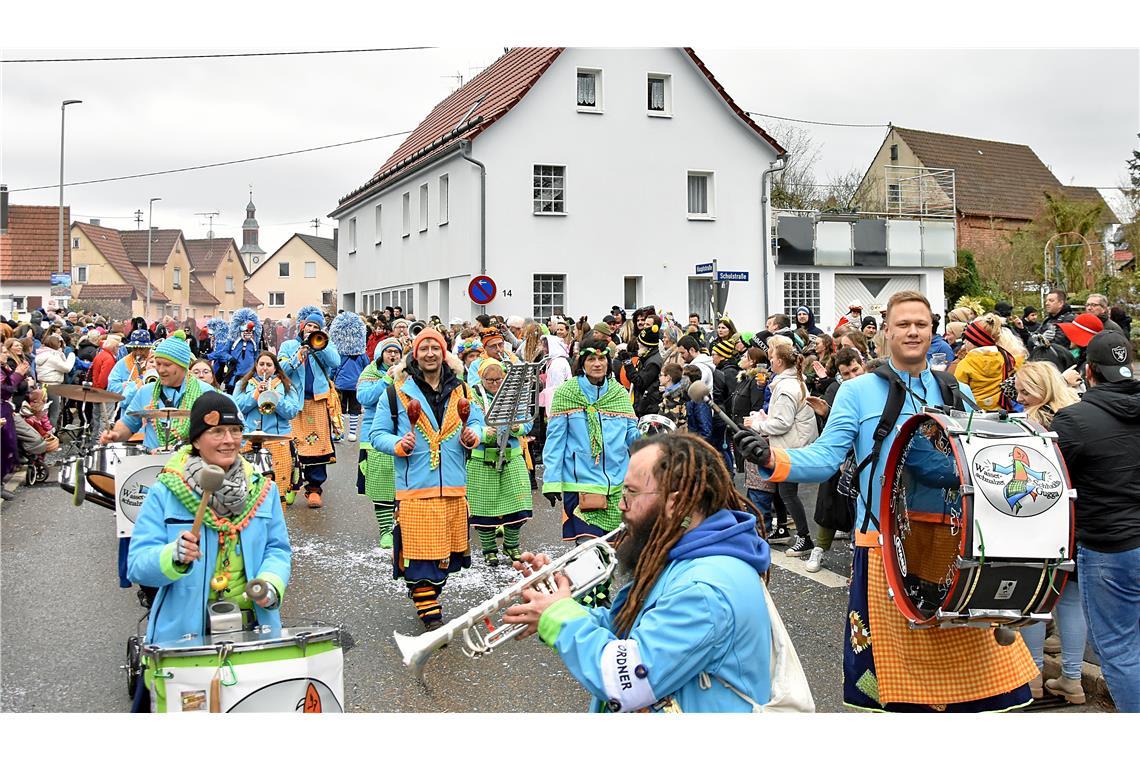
(981, 369)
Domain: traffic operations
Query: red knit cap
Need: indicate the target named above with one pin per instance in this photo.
(428, 334)
(977, 335)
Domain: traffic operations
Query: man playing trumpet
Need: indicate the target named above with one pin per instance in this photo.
(309, 364)
(691, 631)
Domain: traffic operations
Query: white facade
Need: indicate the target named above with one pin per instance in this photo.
(836, 287)
(626, 202)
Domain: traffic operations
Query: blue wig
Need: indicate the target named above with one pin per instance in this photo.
(241, 318)
(349, 334)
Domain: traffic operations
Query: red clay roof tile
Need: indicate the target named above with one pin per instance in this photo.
(30, 250)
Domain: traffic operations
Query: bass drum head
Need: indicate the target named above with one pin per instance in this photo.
(922, 518)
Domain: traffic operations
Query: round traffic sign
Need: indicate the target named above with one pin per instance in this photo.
(482, 289)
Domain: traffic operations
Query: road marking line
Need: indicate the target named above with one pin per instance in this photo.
(796, 565)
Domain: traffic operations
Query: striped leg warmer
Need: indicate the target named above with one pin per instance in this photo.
(425, 596)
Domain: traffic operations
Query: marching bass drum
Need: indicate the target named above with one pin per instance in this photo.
(977, 520)
(655, 424)
(96, 470)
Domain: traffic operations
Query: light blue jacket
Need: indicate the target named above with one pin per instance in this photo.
(415, 478)
(569, 465)
(705, 614)
(490, 440)
(180, 607)
(851, 423)
(141, 399)
(278, 422)
(120, 374)
(328, 358)
(368, 392)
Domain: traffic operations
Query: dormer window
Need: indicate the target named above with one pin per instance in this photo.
(589, 90)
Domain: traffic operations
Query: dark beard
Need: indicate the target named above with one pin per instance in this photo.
(634, 543)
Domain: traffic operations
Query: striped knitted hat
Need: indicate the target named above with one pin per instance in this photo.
(977, 335)
(724, 347)
(175, 349)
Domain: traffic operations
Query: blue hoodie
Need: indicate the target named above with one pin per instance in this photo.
(705, 614)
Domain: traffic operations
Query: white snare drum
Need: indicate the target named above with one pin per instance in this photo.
(296, 669)
(134, 477)
(976, 520)
(655, 424)
(261, 459)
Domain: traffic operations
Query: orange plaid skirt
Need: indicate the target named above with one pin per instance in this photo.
(936, 666)
(433, 528)
(311, 429)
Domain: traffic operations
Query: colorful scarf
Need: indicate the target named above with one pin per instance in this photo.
(180, 427)
(450, 427)
(174, 476)
(615, 401)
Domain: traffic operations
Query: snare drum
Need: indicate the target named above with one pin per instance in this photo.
(655, 424)
(261, 459)
(296, 669)
(98, 470)
(977, 520)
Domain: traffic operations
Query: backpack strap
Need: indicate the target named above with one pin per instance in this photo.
(394, 405)
(896, 396)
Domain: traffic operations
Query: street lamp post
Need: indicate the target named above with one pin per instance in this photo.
(62, 117)
(149, 240)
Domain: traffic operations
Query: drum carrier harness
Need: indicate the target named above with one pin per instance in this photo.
(952, 398)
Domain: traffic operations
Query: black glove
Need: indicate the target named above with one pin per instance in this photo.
(552, 498)
(752, 446)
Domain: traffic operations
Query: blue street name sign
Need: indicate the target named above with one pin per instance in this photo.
(704, 268)
(723, 276)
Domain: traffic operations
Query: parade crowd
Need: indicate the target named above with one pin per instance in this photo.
(624, 434)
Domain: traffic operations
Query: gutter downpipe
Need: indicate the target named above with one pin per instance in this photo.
(465, 153)
(765, 216)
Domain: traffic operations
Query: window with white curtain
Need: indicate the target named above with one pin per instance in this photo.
(701, 196)
(660, 95)
(310, 269)
(423, 207)
(407, 199)
(444, 184)
(379, 226)
(549, 295)
(589, 90)
(352, 235)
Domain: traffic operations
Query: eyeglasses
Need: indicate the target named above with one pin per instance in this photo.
(630, 494)
(221, 433)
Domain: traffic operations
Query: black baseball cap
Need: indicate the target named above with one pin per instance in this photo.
(1111, 354)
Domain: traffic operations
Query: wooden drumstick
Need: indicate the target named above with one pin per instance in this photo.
(210, 478)
(216, 692)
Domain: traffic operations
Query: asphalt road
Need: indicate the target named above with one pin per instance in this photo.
(65, 620)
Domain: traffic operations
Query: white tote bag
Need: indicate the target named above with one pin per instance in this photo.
(790, 691)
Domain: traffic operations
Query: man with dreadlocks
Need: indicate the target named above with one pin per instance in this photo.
(430, 538)
(691, 631)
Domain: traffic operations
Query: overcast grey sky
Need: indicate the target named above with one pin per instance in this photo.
(1077, 109)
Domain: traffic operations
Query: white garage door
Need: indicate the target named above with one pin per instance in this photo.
(872, 291)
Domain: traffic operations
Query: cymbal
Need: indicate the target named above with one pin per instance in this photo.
(259, 437)
(165, 413)
(83, 393)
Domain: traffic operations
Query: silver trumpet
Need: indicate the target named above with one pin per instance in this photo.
(585, 566)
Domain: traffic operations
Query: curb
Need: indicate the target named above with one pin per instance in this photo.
(1092, 679)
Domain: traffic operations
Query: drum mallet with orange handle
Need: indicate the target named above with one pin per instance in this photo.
(210, 478)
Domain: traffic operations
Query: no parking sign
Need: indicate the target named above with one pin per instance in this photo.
(482, 289)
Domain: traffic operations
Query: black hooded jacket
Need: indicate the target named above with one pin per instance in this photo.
(437, 400)
(1099, 438)
(811, 327)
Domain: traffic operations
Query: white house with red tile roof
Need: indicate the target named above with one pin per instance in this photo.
(577, 179)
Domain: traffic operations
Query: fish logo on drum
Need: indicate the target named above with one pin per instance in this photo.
(1016, 480)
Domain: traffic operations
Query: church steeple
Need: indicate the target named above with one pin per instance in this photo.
(250, 251)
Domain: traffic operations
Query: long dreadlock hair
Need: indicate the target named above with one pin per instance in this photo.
(694, 473)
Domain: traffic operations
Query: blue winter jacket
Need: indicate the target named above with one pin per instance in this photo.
(858, 405)
(180, 607)
(242, 353)
(348, 373)
(368, 392)
(327, 360)
(415, 478)
(279, 422)
(566, 457)
(121, 374)
(938, 345)
(705, 614)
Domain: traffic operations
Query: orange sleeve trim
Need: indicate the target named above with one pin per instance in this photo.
(432, 493)
(867, 540)
(781, 466)
(399, 449)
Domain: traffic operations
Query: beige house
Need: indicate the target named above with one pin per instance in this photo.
(301, 272)
(102, 270)
(171, 271)
(221, 271)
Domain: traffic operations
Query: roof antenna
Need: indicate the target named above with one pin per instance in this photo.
(474, 105)
(316, 226)
(210, 215)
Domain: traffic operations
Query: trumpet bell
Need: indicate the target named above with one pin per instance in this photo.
(317, 340)
(267, 402)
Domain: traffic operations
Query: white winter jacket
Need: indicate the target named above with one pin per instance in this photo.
(51, 365)
(791, 422)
